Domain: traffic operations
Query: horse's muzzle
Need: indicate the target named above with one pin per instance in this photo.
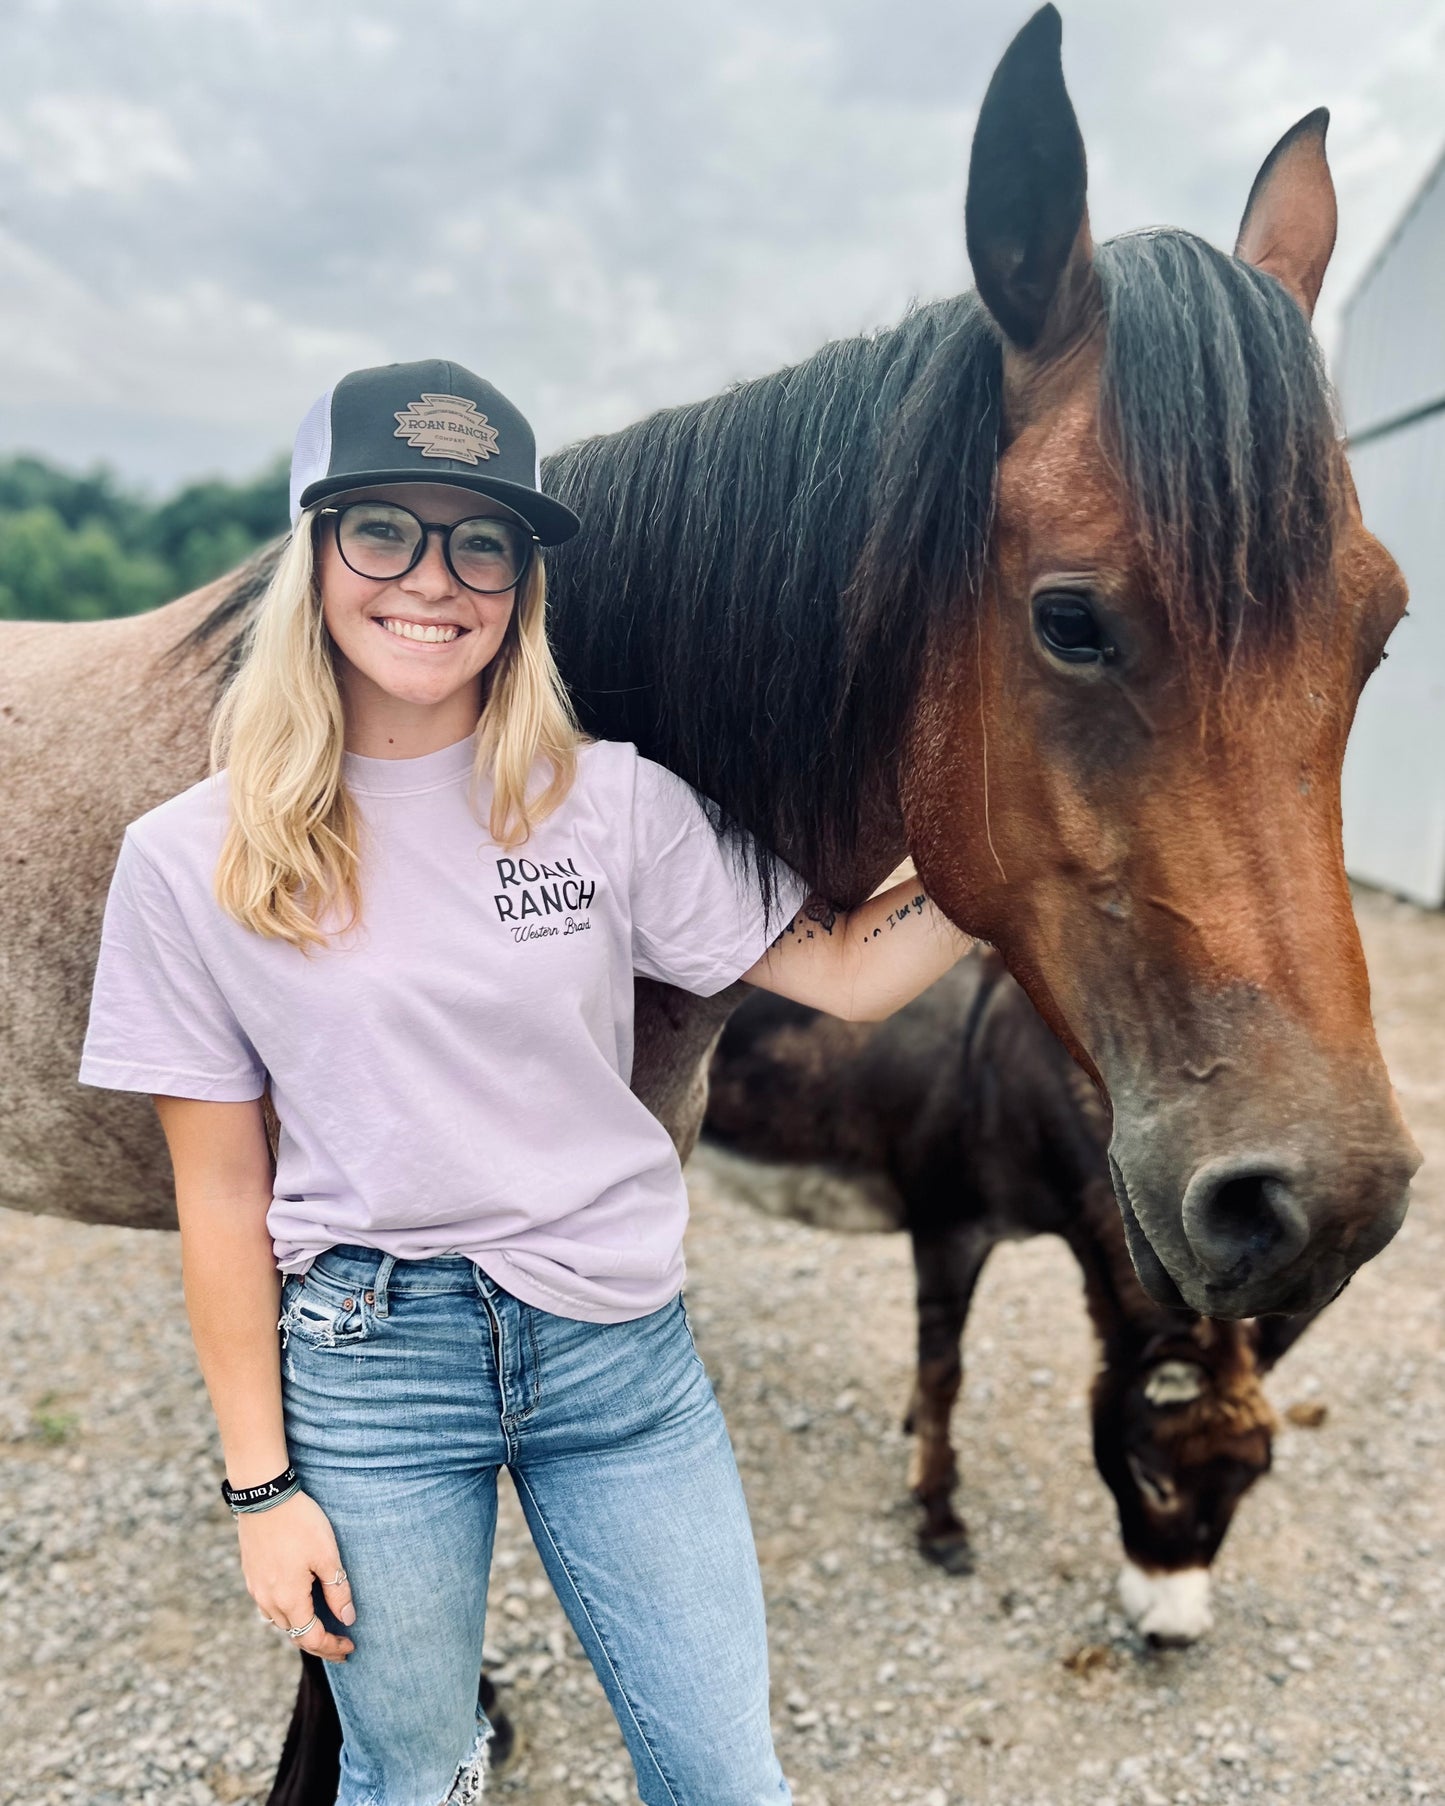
(1253, 1234)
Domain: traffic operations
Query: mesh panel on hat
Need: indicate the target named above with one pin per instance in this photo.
(311, 454)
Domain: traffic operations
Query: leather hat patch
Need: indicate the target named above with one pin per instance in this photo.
(446, 426)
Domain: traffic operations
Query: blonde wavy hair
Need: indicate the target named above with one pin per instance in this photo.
(291, 849)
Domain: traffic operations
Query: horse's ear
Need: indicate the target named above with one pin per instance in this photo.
(1025, 220)
(1290, 217)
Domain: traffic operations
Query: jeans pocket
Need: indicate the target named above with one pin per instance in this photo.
(320, 1312)
(687, 1323)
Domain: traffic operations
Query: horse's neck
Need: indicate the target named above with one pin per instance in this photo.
(882, 847)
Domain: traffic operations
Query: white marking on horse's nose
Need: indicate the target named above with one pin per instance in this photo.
(1167, 1607)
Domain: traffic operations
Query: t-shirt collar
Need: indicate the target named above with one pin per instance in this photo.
(404, 777)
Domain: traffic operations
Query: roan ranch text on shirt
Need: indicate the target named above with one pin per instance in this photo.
(531, 889)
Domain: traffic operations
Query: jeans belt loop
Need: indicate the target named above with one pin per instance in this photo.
(379, 1284)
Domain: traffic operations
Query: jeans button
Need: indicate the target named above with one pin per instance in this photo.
(348, 1304)
(370, 1297)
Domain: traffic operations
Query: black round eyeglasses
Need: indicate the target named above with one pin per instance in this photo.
(383, 541)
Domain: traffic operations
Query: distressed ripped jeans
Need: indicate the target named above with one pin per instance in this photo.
(406, 1385)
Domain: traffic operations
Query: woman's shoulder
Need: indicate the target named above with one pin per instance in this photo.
(185, 827)
(607, 764)
(621, 761)
(615, 774)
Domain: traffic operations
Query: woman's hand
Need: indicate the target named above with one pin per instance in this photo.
(282, 1550)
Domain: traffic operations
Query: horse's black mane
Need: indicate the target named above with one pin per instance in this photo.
(708, 615)
(752, 597)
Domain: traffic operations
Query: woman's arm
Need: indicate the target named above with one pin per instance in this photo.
(222, 1164)
(864, 963)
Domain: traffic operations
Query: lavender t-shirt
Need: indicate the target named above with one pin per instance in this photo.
(453, 1076)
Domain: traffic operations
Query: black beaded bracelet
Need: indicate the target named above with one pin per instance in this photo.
(238, 1497)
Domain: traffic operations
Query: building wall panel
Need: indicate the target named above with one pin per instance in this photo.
(1394, 779)
(1393, 357)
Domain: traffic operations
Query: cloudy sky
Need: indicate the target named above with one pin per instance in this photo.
(210, 209)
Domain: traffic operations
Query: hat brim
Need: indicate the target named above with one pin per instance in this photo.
(550, 520)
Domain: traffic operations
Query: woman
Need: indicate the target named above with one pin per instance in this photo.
(412, 898)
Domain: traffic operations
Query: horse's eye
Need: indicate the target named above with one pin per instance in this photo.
(1071, 631)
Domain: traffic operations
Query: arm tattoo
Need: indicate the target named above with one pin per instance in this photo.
(914, 906)
(816, 909)
(783, 933)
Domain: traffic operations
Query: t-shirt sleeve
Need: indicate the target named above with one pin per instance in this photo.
(697, 915)
(158, 1020)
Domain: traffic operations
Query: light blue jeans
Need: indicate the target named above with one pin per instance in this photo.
(406, 1384)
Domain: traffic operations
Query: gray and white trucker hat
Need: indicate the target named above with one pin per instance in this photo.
(427, 422)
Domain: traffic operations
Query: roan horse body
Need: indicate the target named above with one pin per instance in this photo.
(1060, 587)
(962, 1120)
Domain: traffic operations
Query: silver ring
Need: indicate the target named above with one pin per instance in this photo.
(340, 1576)
(300, 1630)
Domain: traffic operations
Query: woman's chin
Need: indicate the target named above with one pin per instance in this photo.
(423, 676)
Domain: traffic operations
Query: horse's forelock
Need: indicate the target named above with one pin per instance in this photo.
(1232, 1408)
(1216, 410)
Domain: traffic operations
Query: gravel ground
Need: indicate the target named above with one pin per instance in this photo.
(133, 1667)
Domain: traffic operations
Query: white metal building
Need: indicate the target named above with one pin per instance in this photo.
(1391, 382)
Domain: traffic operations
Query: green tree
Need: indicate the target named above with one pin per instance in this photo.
(81, 547)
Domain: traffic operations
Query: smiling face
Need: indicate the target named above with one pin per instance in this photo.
(406, 696)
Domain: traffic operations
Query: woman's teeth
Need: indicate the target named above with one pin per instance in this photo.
(406, 630)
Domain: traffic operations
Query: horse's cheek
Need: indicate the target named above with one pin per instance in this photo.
(976, 790)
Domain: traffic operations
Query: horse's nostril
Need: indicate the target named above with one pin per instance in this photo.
(1238, 1214)
(1243, 1220)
